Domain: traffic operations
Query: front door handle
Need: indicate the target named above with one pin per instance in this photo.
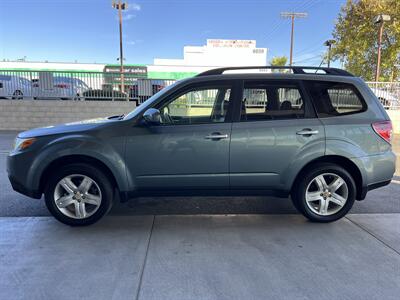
(216, 136)
(307, 132)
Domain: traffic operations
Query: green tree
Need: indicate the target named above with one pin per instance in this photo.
(356, 38)
(279, 61)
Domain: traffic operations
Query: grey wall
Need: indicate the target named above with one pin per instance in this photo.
(26, 114)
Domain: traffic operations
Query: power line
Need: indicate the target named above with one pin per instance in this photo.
(312, 58)
(279, 22)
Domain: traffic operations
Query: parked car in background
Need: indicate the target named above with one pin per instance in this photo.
(322, 138)
(59, 87)
(141, 90)
(14, 87)
(388, 99)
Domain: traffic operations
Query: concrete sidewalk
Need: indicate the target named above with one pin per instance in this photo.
(201, 257)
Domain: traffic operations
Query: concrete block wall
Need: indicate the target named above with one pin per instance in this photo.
(27, 114)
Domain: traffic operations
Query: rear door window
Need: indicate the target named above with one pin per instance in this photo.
(264, 100)
(335, 99)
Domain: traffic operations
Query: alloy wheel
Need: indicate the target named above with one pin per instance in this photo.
(326, 194)
(77, 196)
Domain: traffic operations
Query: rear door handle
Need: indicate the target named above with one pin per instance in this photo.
(216, 136)
(307, 132)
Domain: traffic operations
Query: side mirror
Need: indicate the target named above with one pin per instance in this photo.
(152, 116)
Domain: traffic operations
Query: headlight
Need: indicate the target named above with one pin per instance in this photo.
(22, 144)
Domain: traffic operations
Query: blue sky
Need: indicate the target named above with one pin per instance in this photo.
(87, 30)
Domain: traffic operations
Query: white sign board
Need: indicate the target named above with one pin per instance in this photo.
(218, 43)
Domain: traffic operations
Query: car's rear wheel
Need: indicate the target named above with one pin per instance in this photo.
(325, 193)
(18, 95)
(78, 194)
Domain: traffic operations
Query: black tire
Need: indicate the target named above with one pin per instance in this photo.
(299, 192)
(17, 95)
(95, 174)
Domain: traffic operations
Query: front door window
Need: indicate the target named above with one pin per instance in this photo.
(197, 106)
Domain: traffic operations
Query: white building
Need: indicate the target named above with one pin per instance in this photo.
(219, 53)
(196, 59)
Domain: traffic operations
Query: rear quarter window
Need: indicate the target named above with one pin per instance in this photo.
(334, 99)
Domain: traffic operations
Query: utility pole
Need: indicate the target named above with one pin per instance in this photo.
(292, 16)
(380, 19)
(120, 6)
(329, 44)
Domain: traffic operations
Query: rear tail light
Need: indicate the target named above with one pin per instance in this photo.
(62, 86)
(384, 130)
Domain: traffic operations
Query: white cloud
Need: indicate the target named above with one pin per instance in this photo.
(134, 6)
(129, 17)
(126, 17)
(133, 43)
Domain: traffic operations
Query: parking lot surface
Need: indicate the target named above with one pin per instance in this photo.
(200, 257)
(199, 248)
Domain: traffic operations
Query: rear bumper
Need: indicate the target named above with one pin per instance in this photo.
(371, 187)
(376, 170)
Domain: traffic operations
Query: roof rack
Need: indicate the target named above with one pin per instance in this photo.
(295, 70)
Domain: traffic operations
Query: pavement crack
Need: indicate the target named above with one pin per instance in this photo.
(373, 235)
(145, 259)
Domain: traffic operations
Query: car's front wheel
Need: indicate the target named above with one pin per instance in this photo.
(325, 193)
(78, 194)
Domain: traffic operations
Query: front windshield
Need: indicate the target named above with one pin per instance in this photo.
(149, 101)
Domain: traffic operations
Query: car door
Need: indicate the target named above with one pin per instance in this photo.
(274, 133)
(190, 148)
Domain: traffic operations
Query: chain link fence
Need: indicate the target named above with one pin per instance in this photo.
(103, 86)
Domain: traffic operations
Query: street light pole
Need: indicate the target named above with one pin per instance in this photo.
(380, 19)
(329, 44)
(121, 6)
(292, 16)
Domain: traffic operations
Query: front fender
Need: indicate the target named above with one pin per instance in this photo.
(109, 153)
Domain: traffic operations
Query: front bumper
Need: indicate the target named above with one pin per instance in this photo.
(18, 166)
(20, 188)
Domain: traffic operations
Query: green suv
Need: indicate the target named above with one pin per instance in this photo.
(318, 135)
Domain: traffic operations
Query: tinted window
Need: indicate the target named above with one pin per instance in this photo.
(202, 105)
(266, 101)
(335, 99)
